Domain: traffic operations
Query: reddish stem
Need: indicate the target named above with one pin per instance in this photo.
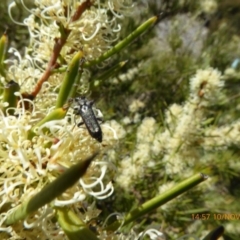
(81, 9)
(59, 43)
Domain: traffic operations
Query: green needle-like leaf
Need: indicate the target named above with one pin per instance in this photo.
(3, 47)
(159, 200)
(112, 71)
(10, 97)
(51, 191)
(71, 80)
(96, 83)
(56, 114)
(73, 227)
(122, 44)
(76, 83)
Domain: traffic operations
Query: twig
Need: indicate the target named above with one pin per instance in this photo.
(59, 43)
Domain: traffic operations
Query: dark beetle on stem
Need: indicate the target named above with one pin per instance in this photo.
(83, 108)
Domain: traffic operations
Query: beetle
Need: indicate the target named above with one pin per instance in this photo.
(83, 108)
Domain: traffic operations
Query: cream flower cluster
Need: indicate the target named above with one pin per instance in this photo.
(132, 167)
(183, 132)
(185, 123)
(93, 32)
(28, 165)
(209, 6)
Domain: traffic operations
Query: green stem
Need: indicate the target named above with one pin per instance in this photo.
(122, 44)
(159, 200)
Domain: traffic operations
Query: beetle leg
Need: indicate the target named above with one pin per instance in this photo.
(91, 103)
(100, 119)
(80, 124)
